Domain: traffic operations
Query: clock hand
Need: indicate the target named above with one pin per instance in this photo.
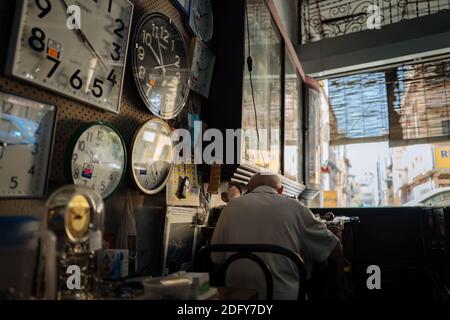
(161, 57)
(2, 149)
(156, 169)
(86, 42)
(156, 56)
(167, 65)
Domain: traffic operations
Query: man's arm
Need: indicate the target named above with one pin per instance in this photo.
(317, 241)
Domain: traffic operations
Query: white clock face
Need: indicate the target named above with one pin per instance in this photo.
(85, 64)
(98, 159)
(202, 69)
(26, 137)
(151, 157)
(201, 19)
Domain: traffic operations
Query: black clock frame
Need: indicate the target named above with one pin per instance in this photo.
(134, 62)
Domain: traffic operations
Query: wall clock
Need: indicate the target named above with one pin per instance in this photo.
(201, 19)
(86, 64)
(184, 5)
(202, 68)
(160, 65)
(151, 156)
(96, 158)
(26, 138)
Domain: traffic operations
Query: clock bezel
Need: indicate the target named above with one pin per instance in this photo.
(135, 69)
(50, 154)
(72, 145)
(194, 27)
(133, 143)
(15, 45)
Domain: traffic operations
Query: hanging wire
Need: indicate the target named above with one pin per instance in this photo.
(250, 70)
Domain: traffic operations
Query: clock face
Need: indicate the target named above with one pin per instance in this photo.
(85, 64)
(26, 138)
(160, 66)
(78, 218)
(97, 159)
(202, 68)
(201, 19)
(151, 157)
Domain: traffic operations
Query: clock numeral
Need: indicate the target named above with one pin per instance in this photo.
(118, 31)
(75, 157)
(32, 170)
(98, 90)
(7, 107)
(103, 186)
(141, 53)
(100, 135)
(36, 40)
(81, 146)
(90, 136)
(14, 183)
(112, 77)
(112, 177)
(45, 10)
(142, 72)
(116, 55)
(76, 174)
(146, 38)
(109, 6)
(75, 81)
(55, 66)
(161, 33)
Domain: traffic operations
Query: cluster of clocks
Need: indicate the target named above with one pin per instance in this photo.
(88, 65)
(97, 157)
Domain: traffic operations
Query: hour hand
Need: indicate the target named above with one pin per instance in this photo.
(86, 42)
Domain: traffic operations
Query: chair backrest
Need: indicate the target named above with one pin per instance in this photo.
(249, 251)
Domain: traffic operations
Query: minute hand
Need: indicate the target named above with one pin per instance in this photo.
(86, 41)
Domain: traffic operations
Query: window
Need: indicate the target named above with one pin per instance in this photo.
(262, 90)
(388, 142)
(293, 115)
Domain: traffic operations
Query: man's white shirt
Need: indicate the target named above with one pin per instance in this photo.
(264, 217)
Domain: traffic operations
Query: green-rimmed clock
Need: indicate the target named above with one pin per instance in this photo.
(97, 158)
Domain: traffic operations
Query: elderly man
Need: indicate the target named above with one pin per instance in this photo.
(264, 216)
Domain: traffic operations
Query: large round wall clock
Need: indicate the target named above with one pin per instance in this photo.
(161, 65)
(85, 64)
(96, 158)
(201, 19)
(26, 138)
(151, 156)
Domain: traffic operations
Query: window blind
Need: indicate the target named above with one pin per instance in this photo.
(359, 109)
(419, 96)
